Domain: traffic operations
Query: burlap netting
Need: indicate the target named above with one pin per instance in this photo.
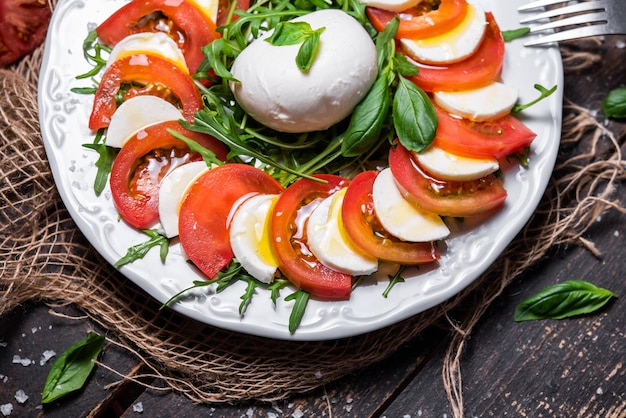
(45, 258)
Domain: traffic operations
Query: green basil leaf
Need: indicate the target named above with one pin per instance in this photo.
(290, 33)
(385, 43)
(71, 370)
(509, 35)
(297, 312)
(614, 104)
(405, 67)
(414, 116)
(367, 119)
(308, 51)
(563, 300)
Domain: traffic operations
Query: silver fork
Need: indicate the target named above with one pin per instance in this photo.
(590, 18)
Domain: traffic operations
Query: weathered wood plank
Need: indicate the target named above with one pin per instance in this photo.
(25, 335)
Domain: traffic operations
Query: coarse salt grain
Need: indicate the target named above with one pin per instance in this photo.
(138, 407)
(297, 414)
(23, 361)
(6, 409)
(47, 355)
(21, 396)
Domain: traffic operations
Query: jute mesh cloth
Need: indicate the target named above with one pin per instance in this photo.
(45, 258)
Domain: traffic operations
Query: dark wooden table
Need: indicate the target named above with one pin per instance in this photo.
(569, 368)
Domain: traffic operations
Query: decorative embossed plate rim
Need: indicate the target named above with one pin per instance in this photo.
(472, 247)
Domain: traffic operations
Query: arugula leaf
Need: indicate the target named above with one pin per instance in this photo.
(414, 116)
(246, 298)
(106, 155)
(140, 250)
(512, 34)
(563, 300)
(275, 287)
(297, 312)
(207, 155)
(71, 370)
(394, 280)
(544, 93)
(614, 104)
(99, 62)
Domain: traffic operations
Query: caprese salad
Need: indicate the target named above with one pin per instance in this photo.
(307, 142)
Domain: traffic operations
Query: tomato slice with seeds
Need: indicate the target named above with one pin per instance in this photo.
(206, 209)
(156, 74)
(181, 20)
(364, 229)
(422, 21)
(479, 69)
(288, 225)
(142, 163)
(23, 27)
(446, 198)
(497, 138)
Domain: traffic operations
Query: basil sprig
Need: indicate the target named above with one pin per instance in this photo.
(413, 116)
(512, 34)
(294, 33)
(563, 300)
(614, 104)
(71, 370)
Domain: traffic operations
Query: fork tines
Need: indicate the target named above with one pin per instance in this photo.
(594, 22)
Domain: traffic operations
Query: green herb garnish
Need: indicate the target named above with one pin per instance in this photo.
(301, 299)
(394, 279)
(140, 250)
(106, 155)
(512, 34)
(544, 92)
(71, 370)
(563, 300)
(294, 33)
(614, 104)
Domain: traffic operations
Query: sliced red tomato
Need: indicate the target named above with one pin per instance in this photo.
(422, 21)
(446, 198)
(142, 163)
(364, 229)
(205, 212)
(23, 26)
(157, 75)
(184, 22)
(288, 222)
(497, 138)
(481, 68)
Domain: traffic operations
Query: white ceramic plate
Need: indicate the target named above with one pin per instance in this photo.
(471, 248)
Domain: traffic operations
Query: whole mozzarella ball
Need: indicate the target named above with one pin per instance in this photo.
(275, 92)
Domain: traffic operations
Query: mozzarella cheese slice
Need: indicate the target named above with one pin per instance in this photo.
(447, 166)
(209, 8)
(274, 91)
(399, 217)
(489, 102)
(171, 192)
(392, 5)
(149, 43)
(138, 113)
(250, 237)
(452, 46)
(329, 242)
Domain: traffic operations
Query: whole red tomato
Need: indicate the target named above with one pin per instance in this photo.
(23, 27)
